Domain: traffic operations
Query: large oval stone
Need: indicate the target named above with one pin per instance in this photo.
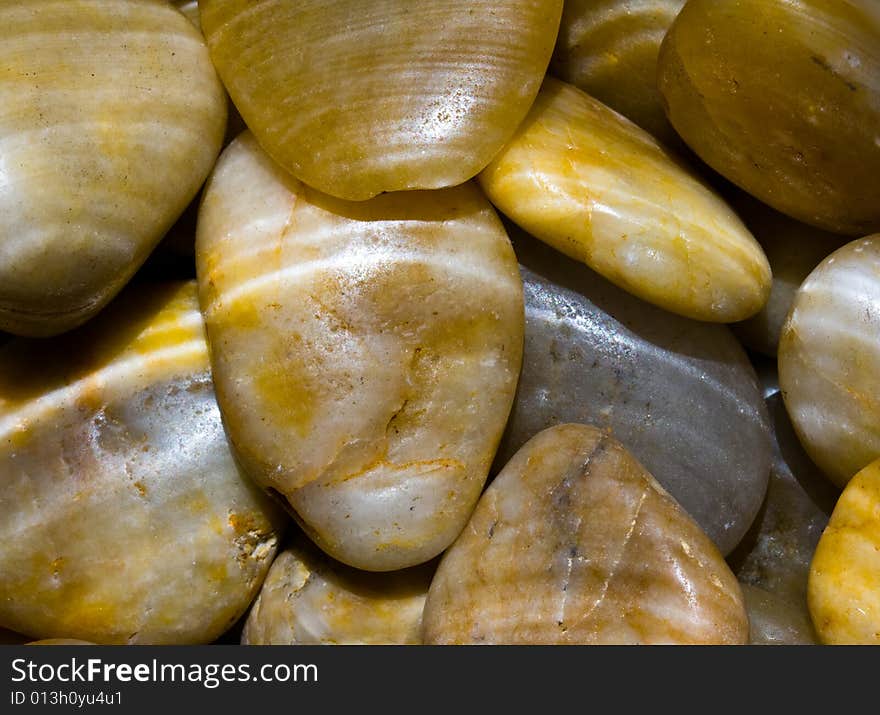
(365, 354)
(123, 516)
(310, 599)
(356, 98)
(829, 360)
(782, 98)
(111, 117)
(574, 542)
(599, 189)
(681, 395)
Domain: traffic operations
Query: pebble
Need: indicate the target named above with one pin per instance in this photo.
(575, 543)
(681, 395)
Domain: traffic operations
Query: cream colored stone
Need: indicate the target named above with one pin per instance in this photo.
(844, 587)
(574, 542)
(829, 360)
(594, 186)
(365, 354)
(111, 117)
(309, 599)
(123, 516)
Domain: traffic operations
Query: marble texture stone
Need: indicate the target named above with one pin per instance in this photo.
(575, 543)
(829, 360)
(111, 117)
(844, 586)
(365, 354)
(123, 515)
(310, 599)
(358, 98)
(599, 189)
(681, 395)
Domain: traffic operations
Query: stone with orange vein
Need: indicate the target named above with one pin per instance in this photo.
(365, 354)
(123, 516)
(596, 187)
(310, 599)
(575, 543)
(844, 586)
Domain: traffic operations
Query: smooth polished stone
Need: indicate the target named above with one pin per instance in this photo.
(609, 48)
(775, 555)
(575, 543)
(844, 586)
(123, 516)
(309, 599)
(111, 117)
(775, 621)
(592, 185)
(358, 98)
(829, 360)
(794, 249)
(681, 395)
(782, 98)
(365, 354)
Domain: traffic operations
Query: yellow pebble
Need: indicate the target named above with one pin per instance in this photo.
(844, 587)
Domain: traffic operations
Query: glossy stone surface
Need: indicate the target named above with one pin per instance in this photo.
(829, 360)
(111, 117)
(794, 249)
(309, 599)
(775, 621)
(597, 188)
(365, 354)
(123, 517)
(574, 542)
(681, 395)
(775, 555)
(844, 586)
(609, 48)
(782, 98)
(357, 98)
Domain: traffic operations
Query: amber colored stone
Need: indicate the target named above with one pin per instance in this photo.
(782, 98)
